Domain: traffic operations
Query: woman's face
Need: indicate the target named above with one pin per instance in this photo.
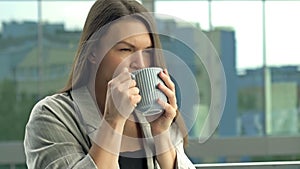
(126, 44)
(131, 47)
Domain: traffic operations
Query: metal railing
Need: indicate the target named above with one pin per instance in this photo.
(253, 165)
(12, 153)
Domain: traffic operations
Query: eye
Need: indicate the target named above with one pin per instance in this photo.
(125, 50)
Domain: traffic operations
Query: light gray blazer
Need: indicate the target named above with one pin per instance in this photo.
(57, 138)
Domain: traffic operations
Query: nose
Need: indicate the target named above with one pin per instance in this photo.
(138, 61)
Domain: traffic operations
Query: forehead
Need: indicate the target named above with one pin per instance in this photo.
(123, 29)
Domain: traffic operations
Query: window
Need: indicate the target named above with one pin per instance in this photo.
(257, 42)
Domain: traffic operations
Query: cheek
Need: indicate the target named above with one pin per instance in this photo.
(112, 65)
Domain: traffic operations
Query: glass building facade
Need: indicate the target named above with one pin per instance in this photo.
(257, 42)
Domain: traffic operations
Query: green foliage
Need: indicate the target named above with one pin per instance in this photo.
(16, 166)
(14, 111)
(277, 158)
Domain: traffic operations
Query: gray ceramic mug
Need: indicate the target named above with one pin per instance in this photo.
(147, 80)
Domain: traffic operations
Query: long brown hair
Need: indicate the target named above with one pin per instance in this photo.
(101, 14)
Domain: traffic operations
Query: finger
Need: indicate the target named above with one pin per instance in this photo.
(167, 80)
(132, 83)
(121, 78)
(124, 76)
(127, 84)
(166, 72)
(170, 112)
(122, 85)
(134, 96)
(170, 94)
(135, 99)
(134, 91)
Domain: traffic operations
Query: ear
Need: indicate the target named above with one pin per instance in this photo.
(92, 58)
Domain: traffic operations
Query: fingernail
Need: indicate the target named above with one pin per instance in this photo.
(165, 71)
(158, 85)
(132, 76)
(159, 101)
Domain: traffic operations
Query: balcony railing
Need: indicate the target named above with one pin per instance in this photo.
(12, 153)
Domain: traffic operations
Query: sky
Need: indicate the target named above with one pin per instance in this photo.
(244, 17)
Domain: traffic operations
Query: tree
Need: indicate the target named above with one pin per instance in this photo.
(14, 111)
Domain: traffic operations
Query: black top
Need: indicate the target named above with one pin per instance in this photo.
(133, 160)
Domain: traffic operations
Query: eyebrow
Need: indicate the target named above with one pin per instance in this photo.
(131, 45)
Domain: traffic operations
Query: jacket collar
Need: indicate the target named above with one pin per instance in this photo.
(87, 109)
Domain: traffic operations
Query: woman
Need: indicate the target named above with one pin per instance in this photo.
(84, 126)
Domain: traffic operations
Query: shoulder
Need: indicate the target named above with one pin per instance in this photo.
(55, 110)
(55, 117)
(57, 105)
(54, 135)
(56, 102)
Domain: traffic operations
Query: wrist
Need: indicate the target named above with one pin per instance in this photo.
(158, 132)
(165, 150)
(163, 142)
(109, 136)
(117, 124)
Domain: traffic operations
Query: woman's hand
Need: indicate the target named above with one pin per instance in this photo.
(166, 154)
(121, 98)
(163, 123)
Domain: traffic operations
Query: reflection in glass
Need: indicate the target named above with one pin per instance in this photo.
(237, 35)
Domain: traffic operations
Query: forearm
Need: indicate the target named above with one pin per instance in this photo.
(106, 146)
(166, 154)
(102, 158)
(167, 160)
